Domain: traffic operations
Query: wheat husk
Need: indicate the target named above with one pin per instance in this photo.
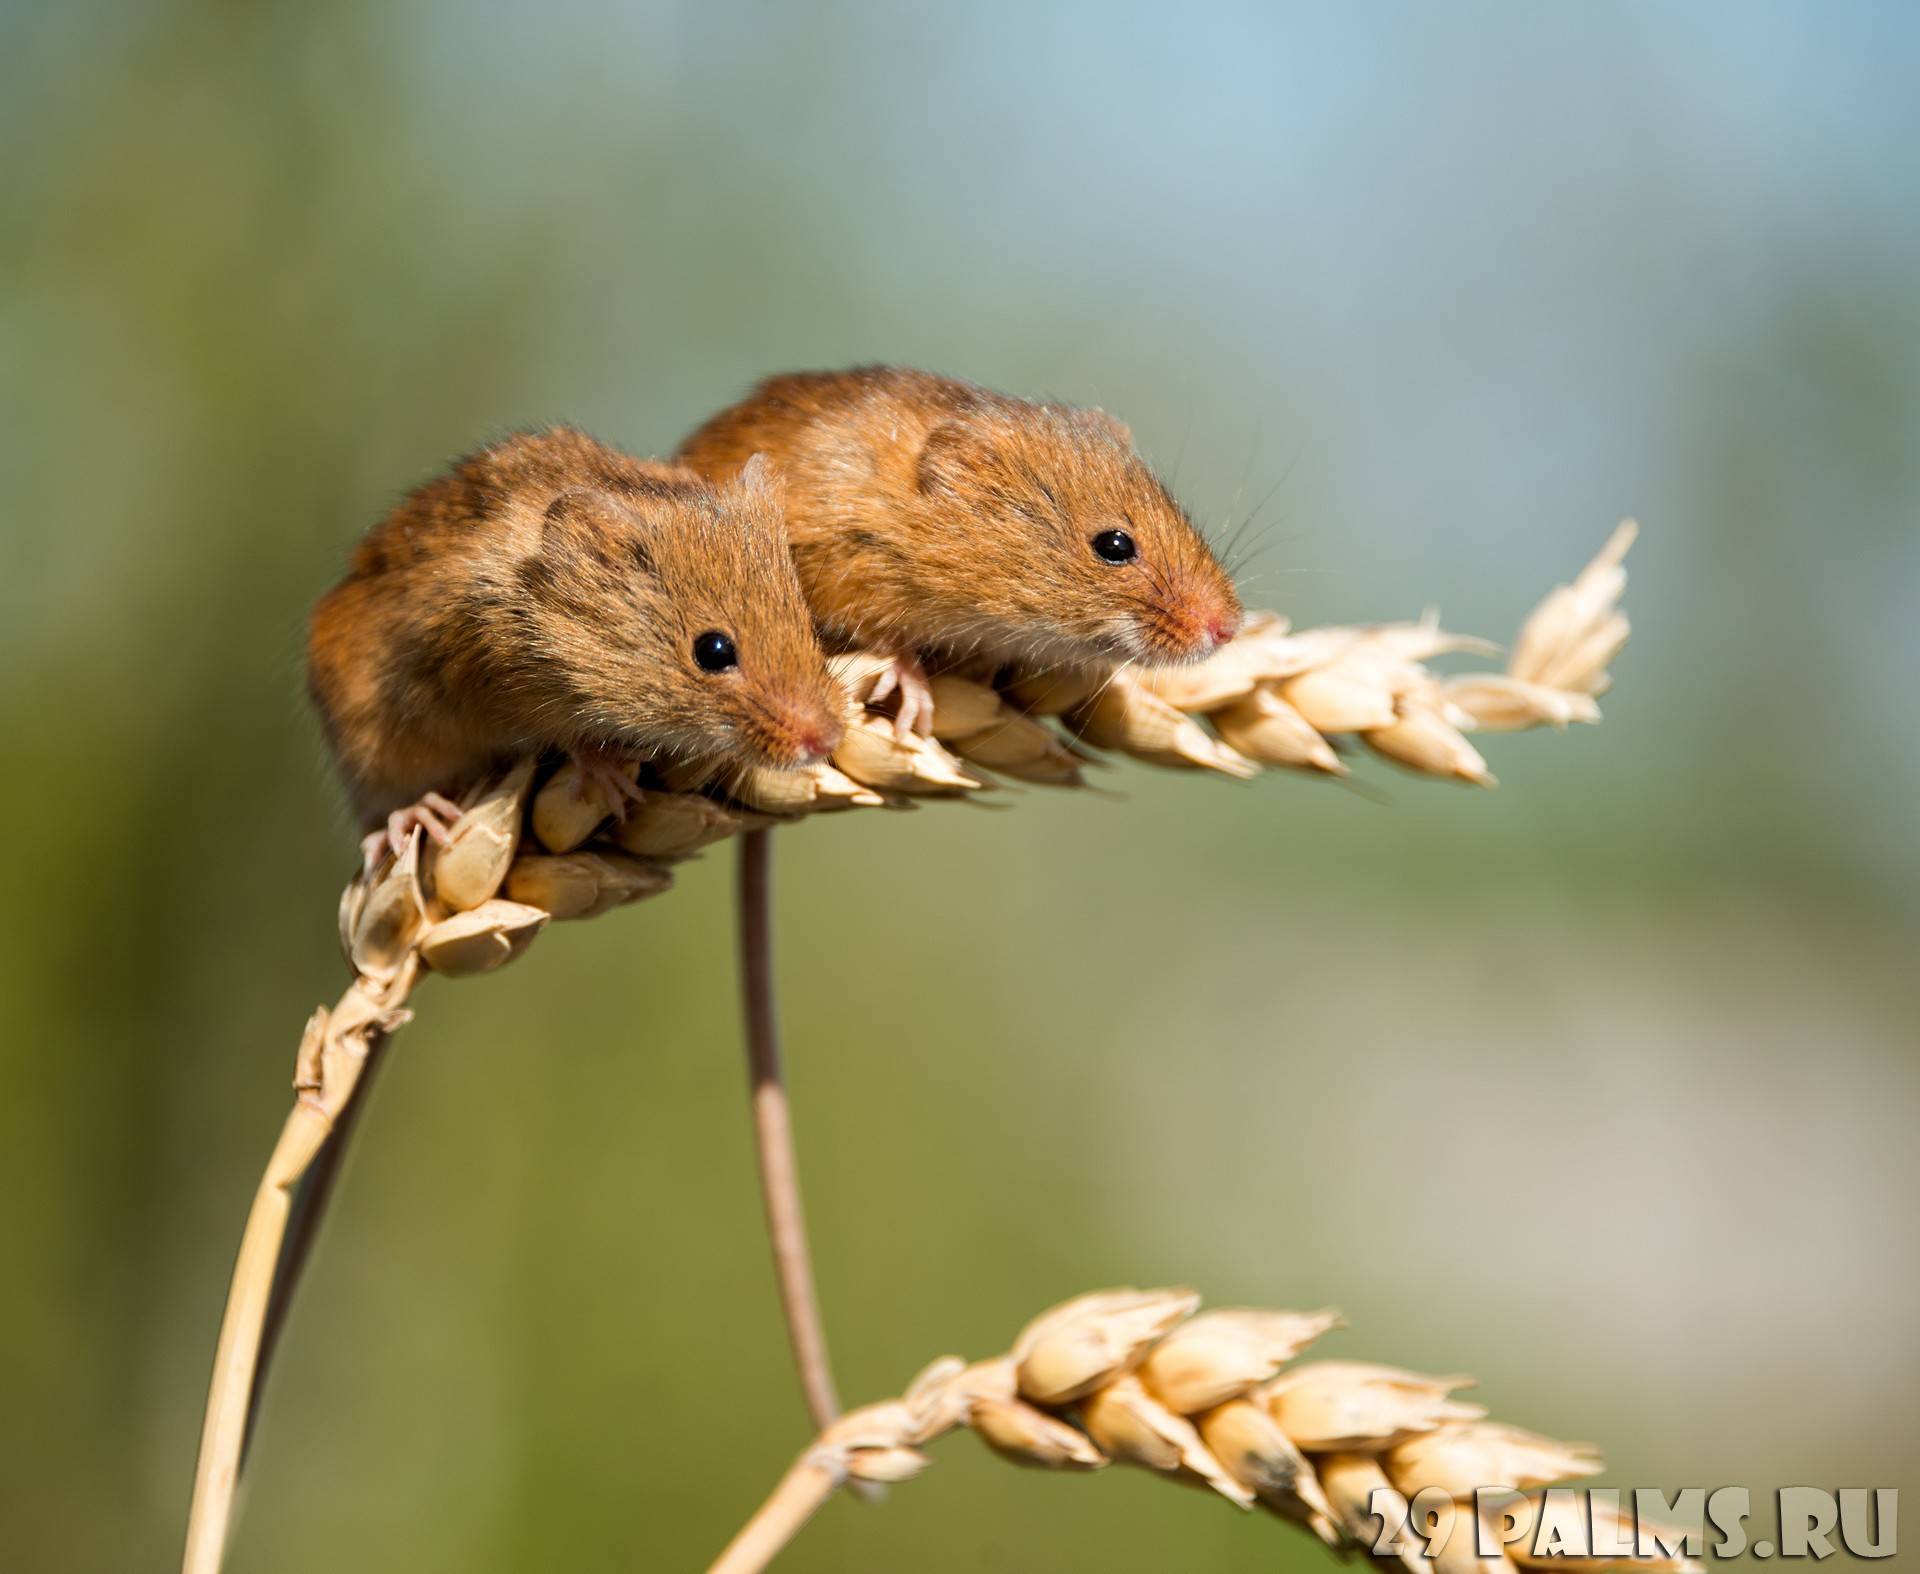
(584, 885)
(812, 790)
(482, 938)
(1074, 1348)
(876, 754)
(1028, 750)
(473, 863)
(1498, 702)
(963, 707)
(1253, 1449)
(1577, 630)
(1424, 740)
(570, 807)
(1134, 1428)
(1341, 1405)
(1466, 1455)
(673, 825)
(1018, 1431)
(1125, 715)
(1221, 1355)
(1265, 728)
(387, 918)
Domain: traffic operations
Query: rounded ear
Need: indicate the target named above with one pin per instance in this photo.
(762, 476)
(574, 513)
(586, 524)
(953, 449)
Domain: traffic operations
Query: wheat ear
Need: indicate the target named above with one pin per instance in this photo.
(520, 857)
(1366, 1457)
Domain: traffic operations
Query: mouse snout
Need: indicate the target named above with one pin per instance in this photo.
(1222, 626)
(1192, 626)
(816, 740)
(800, 733)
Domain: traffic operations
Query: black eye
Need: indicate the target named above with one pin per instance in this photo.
(714, 652)
(1116, 546)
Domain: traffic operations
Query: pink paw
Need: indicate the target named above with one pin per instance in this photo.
(434, 814)
(612, 778)
(908, 679)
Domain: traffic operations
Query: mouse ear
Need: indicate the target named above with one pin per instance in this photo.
(953, 451)
(760, 475)
(576, 506)
(578, 520)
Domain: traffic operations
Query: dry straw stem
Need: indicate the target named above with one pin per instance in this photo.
(527, 850)
(773, 1133)
(1133, 1377)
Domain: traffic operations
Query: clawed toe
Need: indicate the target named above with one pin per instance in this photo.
(916, 716)
(434, 814)
(614, 781)
(442, 806)
(908, 679)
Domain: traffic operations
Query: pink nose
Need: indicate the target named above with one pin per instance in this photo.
(1193, 629)
(816, 736)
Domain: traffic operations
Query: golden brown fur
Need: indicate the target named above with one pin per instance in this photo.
(546, 592)
(930, 515)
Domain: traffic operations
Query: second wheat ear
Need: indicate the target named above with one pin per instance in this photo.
(523, 853)
(1372, 1460)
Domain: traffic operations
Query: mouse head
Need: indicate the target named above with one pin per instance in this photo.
(1092, 558)
(674, 612)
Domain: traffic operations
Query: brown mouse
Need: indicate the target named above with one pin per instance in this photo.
(549, 592)
(928, 515)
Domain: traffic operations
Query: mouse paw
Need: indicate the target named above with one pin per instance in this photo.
(434, 813)
(908, 679)
(609, 776)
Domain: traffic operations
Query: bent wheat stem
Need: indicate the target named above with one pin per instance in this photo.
(802, 1490)
(773, 1133)
(333, 1057)
(310, 1198)
(236, 1356)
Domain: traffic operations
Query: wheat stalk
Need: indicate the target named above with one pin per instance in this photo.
(1365, 1457)
(526, 851)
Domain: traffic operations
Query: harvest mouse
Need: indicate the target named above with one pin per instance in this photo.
(549, 592)
(928, 515)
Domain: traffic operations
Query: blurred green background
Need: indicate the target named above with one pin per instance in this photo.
(1601, 1086)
